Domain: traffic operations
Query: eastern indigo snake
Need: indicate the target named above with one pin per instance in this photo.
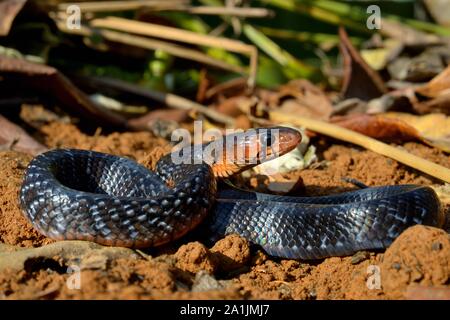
(86, 195)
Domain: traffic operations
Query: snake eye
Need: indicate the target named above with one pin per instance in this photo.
(267, 139)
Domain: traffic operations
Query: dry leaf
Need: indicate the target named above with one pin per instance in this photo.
(378, 127)
(302, 98)
(360, 80)
(230, 106)
(438, 86)
(8, 11)
(407, 98)
(433, 128)
(378, 58)
(13, 137)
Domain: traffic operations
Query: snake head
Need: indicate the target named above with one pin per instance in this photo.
(240, 151)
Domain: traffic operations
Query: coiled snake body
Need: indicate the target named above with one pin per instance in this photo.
(86, 195)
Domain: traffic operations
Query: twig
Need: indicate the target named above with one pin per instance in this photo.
(169, 99)
(174, 34)
(152, 44)
(110, 6)
(340, 133)
(229, 11)
(163, 5)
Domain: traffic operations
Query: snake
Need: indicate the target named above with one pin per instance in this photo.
(72, 194)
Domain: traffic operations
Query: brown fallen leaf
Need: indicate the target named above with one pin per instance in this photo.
(50, 82)
(302, 98)
(378, 127)
(438, 86)
(360, 80)
(433, 128)
(433, 97)
(8, 12)
(230, 106)
(13, 137)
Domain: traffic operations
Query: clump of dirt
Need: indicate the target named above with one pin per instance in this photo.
(420, 255)
(231, 253)
(193, 257)
(231, 268)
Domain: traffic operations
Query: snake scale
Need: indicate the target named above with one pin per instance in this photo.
(112, 200)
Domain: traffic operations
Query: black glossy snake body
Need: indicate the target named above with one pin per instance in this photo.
(86, 195)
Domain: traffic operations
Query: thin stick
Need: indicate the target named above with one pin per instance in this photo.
(169, 33)
(152, 44)
(340, 133)
(169, 99)
(229, 11)
(163, 5)
(110, 6)
(175, 34)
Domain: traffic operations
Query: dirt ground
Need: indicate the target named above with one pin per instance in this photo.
(416, 265)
